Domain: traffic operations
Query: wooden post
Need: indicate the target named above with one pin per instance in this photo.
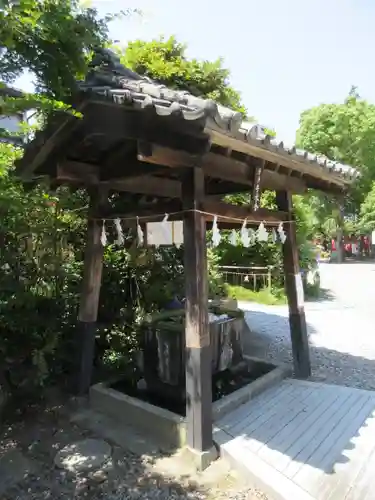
(88, 310)
(269, 279)
(198, 353)
(294, 291)
(256, 191)
(340, 232)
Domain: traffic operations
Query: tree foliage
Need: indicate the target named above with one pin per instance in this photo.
(366, 222)
(50, 38)
(344, 133)
(165, 60)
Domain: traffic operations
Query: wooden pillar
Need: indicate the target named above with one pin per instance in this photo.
(256, 191)
(340, 233)
(198, 353)
(294, 291)
(88, 310)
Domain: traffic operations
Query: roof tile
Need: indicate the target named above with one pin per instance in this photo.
(126, 87)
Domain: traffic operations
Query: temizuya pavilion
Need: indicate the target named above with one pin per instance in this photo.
(168, 151)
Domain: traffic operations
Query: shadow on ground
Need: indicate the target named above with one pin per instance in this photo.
(328, 365)
(30, 445)
(325, 295)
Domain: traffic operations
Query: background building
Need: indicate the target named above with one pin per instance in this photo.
(11, 123)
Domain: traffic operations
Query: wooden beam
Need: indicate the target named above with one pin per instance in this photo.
(48, 144)
(223, 188)
(151, 185)
(294, 291)
(228, 211)
(89, 303)
(115, 164)
(214, 165)
(136, 170)
(124, 123)
(222, 167)
(151, 213)
(275, 157)
(225, 212)
(85, 173)
(121, 163)
(75, 171)
(197, 335)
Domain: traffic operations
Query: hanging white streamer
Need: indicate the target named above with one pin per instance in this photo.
(252, 237)
(245, 239)
(233, 238)
(248, 236)
(281, 233)
(216, 236)
(262, 234)
(164, 227)
(103, 236)
(140, 235)
(120, 235)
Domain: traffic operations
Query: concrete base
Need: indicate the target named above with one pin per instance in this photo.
(167, 428)
(248, 392)
(201, 460)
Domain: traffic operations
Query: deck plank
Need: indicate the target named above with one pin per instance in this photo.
(322, 431)
(315, 439)
(261, 410)
(261, 413)
(354, 459)
(278, 452)
(280, 418)
(273, 394)
(333, 451)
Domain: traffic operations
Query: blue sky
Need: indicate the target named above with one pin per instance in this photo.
(284, 56)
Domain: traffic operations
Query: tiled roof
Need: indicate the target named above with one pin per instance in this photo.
(123, 86)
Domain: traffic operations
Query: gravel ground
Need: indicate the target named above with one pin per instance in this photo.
(340, 328)
(35, 441)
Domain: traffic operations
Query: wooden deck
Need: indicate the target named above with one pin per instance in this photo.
(305, 440)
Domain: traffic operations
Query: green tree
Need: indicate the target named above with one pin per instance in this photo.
(50, 38)
(165, 60)
(41, 245)
(344, 133)
(366, 222)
